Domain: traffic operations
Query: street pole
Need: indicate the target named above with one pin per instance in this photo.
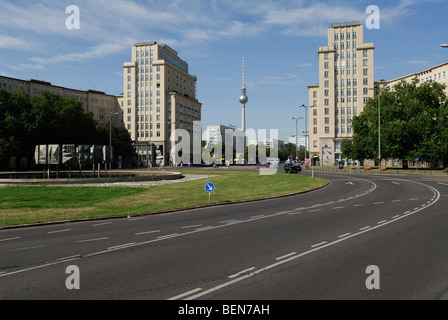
(379, 129)
(306, 130)
(295, 152)
(297, 134)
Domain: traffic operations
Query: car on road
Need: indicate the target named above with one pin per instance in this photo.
(292, 167)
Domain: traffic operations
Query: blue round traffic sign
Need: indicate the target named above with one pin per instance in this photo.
(209, 187)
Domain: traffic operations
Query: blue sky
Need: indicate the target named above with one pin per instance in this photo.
(279, 40)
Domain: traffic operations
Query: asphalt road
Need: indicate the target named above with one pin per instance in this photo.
(318, 245)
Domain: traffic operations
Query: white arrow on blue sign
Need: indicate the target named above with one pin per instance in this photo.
(209, 187)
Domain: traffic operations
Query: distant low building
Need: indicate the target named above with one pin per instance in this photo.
(102, 105)
(438, 73)
(299, 140)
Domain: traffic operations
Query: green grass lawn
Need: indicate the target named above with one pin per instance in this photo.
(28, 205)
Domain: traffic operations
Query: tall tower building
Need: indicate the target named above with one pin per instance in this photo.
(159, 96)
(346, 81)
(243, 100)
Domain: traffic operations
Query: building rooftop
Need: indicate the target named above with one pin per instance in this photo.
(346, 24)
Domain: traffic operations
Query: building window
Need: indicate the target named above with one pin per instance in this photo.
(158, 133)
(327, 111)
(315, 130)
(327, 129)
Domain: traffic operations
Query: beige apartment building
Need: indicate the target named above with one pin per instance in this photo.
(159, 96)
(346, 81)
(437, 73)
(102, 105)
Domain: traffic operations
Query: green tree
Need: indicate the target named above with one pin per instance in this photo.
(121, 140)
(413, 124)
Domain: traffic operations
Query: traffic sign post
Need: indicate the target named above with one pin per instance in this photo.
(209, 187)
(417, 160)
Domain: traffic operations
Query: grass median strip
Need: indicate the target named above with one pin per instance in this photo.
(28, 205)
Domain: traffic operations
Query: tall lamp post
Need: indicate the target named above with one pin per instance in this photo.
(297, 119)
(110, 138)
(379, 122)
(306, 130)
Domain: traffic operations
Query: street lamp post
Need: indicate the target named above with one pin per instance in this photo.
(297, 119)
(306, 130)
(444, 45)
(379, 122)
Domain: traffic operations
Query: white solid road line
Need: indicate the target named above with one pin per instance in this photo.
(146, 232)
(100, 224)
(241, 272)
(319, 244)
(286, 256)
(168, 236)
(185, 294)
(90, 240)
(121, 246)
(57, 231)
(344, 235)
(9, 239)
(193, 226)
(28, 248)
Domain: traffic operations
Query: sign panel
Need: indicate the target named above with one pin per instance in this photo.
(209, 187)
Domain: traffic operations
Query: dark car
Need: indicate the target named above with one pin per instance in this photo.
(292, 167)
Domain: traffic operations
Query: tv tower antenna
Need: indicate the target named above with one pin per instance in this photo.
(243, 100)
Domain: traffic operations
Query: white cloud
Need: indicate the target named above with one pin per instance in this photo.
(15, 43)
(95, 52)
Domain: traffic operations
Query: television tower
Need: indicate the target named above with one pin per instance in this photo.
(243, 100)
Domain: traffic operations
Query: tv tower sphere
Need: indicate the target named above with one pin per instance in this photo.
(243, 99)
